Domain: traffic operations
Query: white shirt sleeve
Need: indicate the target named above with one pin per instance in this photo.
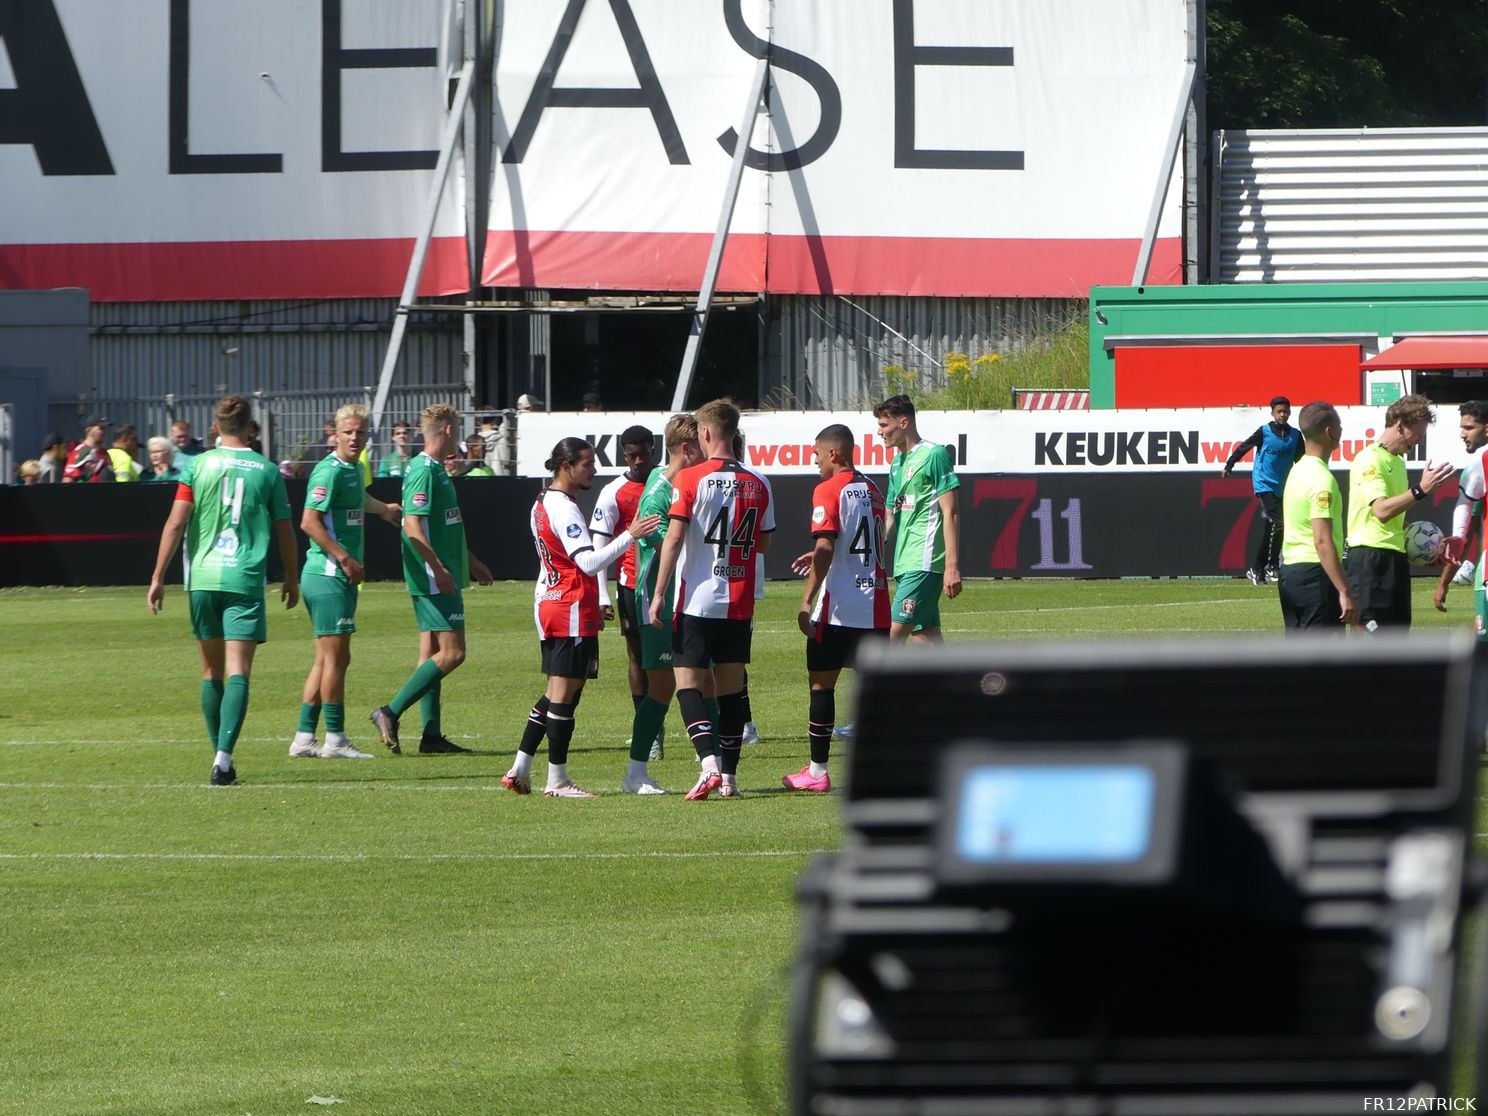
(1470, 491)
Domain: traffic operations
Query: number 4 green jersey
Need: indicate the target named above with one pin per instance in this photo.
(236, 496)
(335, 492)
(656, 499)
(429, 494)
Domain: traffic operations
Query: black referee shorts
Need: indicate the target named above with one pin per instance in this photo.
(1308, 599)
(1381, 583)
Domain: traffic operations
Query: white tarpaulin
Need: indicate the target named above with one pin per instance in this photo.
(1014, 442)
(913, 147)
(189, 150)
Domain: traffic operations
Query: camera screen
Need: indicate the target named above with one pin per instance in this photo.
(1022, 814)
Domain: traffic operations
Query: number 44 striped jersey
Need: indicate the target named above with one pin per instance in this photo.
(726, 507)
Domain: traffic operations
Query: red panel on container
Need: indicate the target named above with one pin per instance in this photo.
(1237, 375)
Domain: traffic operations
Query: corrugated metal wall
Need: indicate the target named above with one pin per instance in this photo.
(1376, 204)
(304, 358)
(829, 351)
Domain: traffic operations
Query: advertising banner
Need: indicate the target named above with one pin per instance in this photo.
(156, 150)
(911, 147)
(1077, 525)
(1014, 442)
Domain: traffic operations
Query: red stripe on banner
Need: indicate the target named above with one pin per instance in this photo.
(76, 538)
(944, 266)
(234, 269)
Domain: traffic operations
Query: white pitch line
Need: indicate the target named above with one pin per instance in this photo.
(417, 857)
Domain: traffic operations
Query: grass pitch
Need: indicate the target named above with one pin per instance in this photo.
(402, 935)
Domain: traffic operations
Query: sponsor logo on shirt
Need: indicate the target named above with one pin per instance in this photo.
(598, 515)
(420, 499)
(226, 543)
(552, 595)
(453, 616)
(1325, 500)
(573, 530)
(1369, 472)
(318, 492)
(818, 514)
(354, 517)
(452, 515)
(906, 501)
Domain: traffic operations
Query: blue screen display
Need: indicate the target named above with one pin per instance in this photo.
(1073, 814)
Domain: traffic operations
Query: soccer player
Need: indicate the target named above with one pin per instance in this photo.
(613, 512)
(847, 591)
(437, 565)
(1277, 448)
(335, 504)
(1313, 590)
(1379, 494)
(566, 608)
(722, 514)
(227, 508)
(1473, 426)
(924, 520)
(683, 452)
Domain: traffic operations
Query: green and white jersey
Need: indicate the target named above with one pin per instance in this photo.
(1375, 473)
(236, 496)
(393, 466)
(917, 480)
(1311, 492)
(429, 493)
(656, 499)
(335, 494)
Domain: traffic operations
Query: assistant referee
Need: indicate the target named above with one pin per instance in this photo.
(1313, 589)
(1379, 494)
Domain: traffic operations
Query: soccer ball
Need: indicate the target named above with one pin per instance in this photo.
(1423, 543)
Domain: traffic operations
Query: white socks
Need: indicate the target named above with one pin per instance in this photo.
(557, 774)
(710, 765)
(522, 765)
(223, 762)
(637, 771)
(818, 769)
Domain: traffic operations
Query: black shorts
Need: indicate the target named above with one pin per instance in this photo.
(630, 623)
(701, 641)
(834, 647)
(1308, 599)
(571, 657)
(1381, 584)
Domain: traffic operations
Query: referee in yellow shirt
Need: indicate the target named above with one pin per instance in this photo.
(1314, 592)
(1379, 494)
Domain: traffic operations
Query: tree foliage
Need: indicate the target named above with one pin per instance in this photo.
(1346, 63)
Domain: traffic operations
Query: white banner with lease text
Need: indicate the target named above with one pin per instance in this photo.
(911, 147)
(1009, 442)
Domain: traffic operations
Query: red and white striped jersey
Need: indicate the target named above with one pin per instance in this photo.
(566, 600)
(613, 512)
(855, 593)
(726, 507)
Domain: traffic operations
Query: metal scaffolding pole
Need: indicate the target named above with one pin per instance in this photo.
(1170, 154)
(720, 238)
(452, 128)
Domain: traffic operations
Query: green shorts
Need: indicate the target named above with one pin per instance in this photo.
(331, 603)
(917, 599)
(219, 615)
(656, 645)
(443, 612)
(1480, 622)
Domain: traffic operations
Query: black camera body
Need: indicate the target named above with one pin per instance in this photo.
(1148, 879)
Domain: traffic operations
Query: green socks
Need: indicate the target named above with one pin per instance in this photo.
(335, 716)
(649, 716)
(211, 707)
(309, 716)
(234, 712)
(419, 683)
(429, 707)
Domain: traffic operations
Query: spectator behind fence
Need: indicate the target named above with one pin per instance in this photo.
(187, 444)
(89, 460)
(396, 462)
(53, 459)
(122, 455)
(529, 403)
(163, 466)
(591, 402)
(475, 458)
(28, 473)
(490, 433)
